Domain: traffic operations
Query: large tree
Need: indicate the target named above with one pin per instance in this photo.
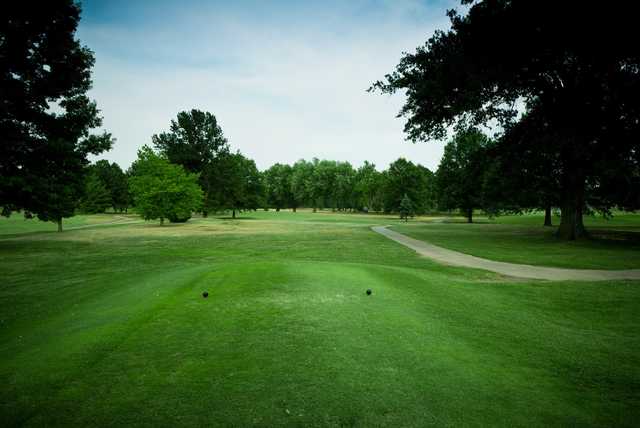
(195, 140)
(523, 159)
(45, 115)
(576, 64)
(163, 190)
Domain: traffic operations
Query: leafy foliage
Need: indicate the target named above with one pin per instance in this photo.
(44, 151)
(96, 196)
(235, 184)
(162, 189)
(459, 178)
(406, 208)
(575, 67)
(194, 140)
(278, 186)
(115, 181)
(404, 177)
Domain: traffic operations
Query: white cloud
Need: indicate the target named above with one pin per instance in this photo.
(281, 89)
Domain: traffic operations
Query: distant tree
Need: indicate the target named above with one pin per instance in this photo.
(460, 175)
(324, 181)
(316, 186)
(403, 177)
(236, 184)
(115, 181)
(277, 184)
(406, 208)
(163, 190)
(96, 196)
(368, 187)
(44, 150)
(301, 183)
(195, 140)
(344, 189)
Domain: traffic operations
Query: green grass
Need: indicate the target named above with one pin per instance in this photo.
(17, 223)
(106, 326)
(522, 239)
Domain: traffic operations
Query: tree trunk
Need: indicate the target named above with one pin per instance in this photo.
(277, 209)
(470, 215)
(161, 221)
(315, 209)
(571, 225)
(233, 213)
(294, 209)
(205, 214)
(59, 222)
(547, 216)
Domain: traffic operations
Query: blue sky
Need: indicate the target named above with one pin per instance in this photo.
(286, 80)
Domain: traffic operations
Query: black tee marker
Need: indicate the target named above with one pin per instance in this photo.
(205, 294)
(369, 292)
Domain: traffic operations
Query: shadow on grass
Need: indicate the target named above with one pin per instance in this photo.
(617, 236)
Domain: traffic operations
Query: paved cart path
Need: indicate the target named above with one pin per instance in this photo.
(455, 258)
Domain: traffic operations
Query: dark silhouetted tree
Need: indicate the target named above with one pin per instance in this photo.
(576, 65)
(43, 152)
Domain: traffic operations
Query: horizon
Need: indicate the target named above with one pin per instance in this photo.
(286, 81)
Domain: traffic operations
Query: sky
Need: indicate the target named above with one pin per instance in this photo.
(287, 80)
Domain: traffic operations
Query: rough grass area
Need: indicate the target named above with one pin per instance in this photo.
(615, 243)
(106, 325)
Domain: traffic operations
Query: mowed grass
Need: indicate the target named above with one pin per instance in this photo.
(615, 243)
(107, 326)
(18, 224)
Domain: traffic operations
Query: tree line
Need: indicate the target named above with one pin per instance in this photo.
(191, 168)
(561, 80)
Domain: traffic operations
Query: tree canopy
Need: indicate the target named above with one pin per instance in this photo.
(45, 114)
(115, 182)
(459, 178)
(194, 140)
(278, 186)
(406, 178)
(235, 184)
(575, 65)
(96, 196)
(163, 190)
